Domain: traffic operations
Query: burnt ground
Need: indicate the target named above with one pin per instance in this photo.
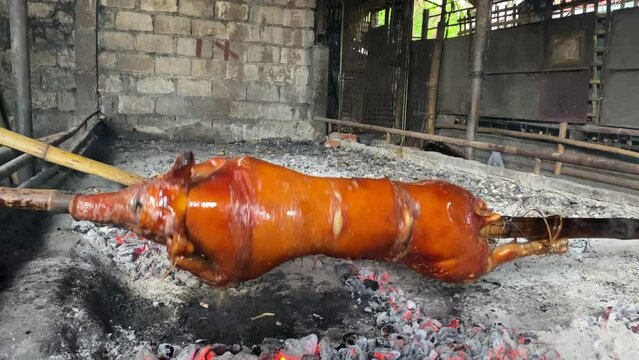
(65, 294)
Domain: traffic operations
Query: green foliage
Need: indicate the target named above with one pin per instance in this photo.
(434, 10)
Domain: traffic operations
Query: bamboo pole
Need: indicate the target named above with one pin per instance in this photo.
(40, 200)
(548, 138)
(576, 159)
(65, 158)
(435, 67)
(54, 140)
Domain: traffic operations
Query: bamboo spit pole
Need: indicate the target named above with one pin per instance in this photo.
(65, 158)
(54, 140)
(583, 160)
(548, 138)
(49, 170)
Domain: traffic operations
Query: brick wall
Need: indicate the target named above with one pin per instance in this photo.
(228, 70)
(53, 64)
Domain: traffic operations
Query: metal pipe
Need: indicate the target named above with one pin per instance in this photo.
(548, 138)
(595, 162)
(22, 74)
(480, 39)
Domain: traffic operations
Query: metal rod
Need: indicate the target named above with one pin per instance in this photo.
(595, 162)
(537, 228)
(480, 39)
(22, 74)
(548, 138)
(435, 67)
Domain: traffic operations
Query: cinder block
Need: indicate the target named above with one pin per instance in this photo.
(237, 51)
(44, 99)
(302, 113)
(159, 5)
(109, 83)
(107, 61)
(172, 105)
(252, 110)
(66, 101)
(299, 38)
(211, 108)
(209, 69)
(186, 46)
(274, 35)
(106, 19)
(43, 58)
(39, 10)
(295, 94)
(215, 29)
(137, 63)
(263, 54)
(152, 124)
(197, 8)
(128, 104)
(165, 24)
(125, 4)
(229, 89)
(242, 72)
(299, 18)
(227, 10)
(127, 20)
(66, 58)
(243, 32)
(191, 87)
(116, 40)
(58, 79)
(160, 44)
(262, 92)
(277, 112)
(296, 56)
(155, 85)
(267, 15)
(172, 66)
(276, 74)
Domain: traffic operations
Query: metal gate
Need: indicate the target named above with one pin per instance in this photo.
(375, 48)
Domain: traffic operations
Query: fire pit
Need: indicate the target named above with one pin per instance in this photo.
(75, 289)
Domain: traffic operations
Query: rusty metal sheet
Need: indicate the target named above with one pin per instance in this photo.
(563, 97)
(515, 49)
(621, 73)
(569, 42)
(513, 96)
(621, 99)
(452, 97)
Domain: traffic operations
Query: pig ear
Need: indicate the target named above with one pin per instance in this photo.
(181, 169)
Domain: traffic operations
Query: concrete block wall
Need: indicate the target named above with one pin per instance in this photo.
(53, 63)
(217, 70)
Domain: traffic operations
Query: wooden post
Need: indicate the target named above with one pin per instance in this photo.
(563, 129)
(435, 66)
(537, 170)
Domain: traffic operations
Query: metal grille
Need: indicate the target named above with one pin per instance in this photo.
(374, 62)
